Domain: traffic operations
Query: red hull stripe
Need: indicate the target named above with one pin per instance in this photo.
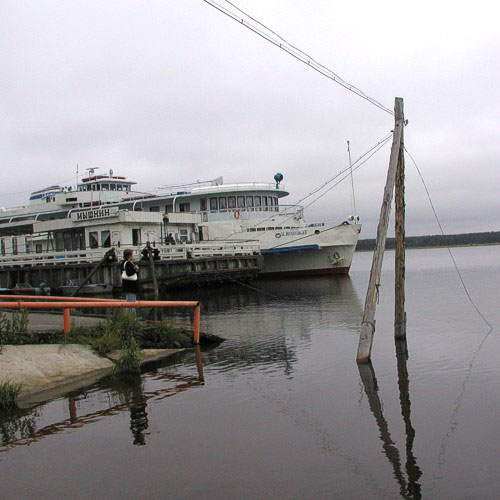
(307, 272)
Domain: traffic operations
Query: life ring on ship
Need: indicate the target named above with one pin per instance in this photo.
(236, 214)
(336, 255)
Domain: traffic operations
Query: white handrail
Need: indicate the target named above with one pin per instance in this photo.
(166, 252)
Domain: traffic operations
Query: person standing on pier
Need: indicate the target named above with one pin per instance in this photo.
(130, 282)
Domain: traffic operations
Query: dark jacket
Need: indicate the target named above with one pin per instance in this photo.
(130, 286)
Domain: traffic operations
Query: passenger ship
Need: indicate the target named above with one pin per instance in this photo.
(68, 224)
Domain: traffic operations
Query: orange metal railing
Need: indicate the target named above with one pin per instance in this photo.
(69, 303)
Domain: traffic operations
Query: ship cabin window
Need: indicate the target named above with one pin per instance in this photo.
(213, 203)
(106, 239)
(67, 241)
(184, 207)
(119, 187)
(113, 187)
(14, 246)
(2, 246)
(203, 204)
(98, 187)
(38, 248)
(241, 202)
(105, 187)
(136, 237)
(93, 241)
(154, 209)
(93, 187)
(169, 209)
(231, 202)
(222, 203)
(183, 235)
(249, 201)
(265, 203)
(261, 229)
(257, 201)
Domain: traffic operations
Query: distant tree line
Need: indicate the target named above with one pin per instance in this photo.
(438, 240)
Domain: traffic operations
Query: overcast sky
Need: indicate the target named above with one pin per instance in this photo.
(167, 92)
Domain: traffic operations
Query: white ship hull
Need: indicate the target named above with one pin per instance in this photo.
(330, 252)
(316, 249)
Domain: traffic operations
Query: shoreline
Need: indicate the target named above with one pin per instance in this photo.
(430, 247)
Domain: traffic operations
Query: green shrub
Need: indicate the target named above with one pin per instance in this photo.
(129, 362)
(15, 330)
(9, 391)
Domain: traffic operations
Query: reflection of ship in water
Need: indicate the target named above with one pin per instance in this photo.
(266, 325)
(409, 486)
(110, 395)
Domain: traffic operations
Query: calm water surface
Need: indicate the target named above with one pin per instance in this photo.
(284, 411)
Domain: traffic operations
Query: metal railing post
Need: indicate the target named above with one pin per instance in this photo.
(67, 321)
(197, 314)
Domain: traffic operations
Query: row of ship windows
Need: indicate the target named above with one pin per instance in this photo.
(223, 202)
(104, 187)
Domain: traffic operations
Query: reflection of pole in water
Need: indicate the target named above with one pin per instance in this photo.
(412, 469)
(199, 363)
(138, 415)
(391, 452)
(72, 410)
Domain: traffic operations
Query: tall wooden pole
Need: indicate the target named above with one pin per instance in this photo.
(399, 292)
(368, 323)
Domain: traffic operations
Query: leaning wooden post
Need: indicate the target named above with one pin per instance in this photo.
(107, 257)
(368, 322)
(399, 232)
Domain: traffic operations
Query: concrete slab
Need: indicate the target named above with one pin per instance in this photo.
(41, 367)
(49, 371)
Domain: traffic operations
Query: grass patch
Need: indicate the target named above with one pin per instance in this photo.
(116, 332)
(9, 391)
(129, 363)
(123, 331)
(15, 329)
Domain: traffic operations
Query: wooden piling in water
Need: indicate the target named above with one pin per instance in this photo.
(399, 233)
(368, 323)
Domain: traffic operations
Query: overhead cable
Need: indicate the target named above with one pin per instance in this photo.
(355, 165)
(277, 40)
(449, 249)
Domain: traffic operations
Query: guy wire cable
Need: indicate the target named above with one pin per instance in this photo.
(323, 194)
(296, 53)
(448, 248)
(373, 149)
(453, 422)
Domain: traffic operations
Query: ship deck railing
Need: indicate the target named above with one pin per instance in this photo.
(166, 252)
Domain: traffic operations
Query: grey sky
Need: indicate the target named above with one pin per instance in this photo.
(173, 91)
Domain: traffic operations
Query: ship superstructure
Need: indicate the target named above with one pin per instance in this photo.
(104, 211)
